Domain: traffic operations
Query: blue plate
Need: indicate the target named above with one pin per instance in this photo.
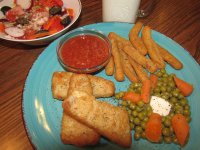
(42, 113)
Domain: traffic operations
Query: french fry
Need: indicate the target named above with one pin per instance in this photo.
(142, 75)
(169, 58)
(152, 47)
(119, 74)
(140, 59)
(128, 70)
(135, 40)
(109, 69)
(117, 37)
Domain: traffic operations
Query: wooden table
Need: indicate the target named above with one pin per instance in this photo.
(177, 19)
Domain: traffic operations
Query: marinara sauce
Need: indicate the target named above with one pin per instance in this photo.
(84, 51)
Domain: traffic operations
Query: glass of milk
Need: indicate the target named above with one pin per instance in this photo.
(123, 10)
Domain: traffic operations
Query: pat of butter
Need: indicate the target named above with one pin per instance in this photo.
(160, 105)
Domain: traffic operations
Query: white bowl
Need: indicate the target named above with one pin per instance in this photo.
(74, 4)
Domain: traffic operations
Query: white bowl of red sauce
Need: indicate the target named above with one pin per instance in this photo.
(84, 51)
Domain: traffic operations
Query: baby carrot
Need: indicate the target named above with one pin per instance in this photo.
(185, 88)
(153, 128)
(146, 91)
(181, 128)
(131, 96)
(154, 80)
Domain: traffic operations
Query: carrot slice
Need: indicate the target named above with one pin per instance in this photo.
(39, 35)
(153, 130)
(146, 91)
(185, 88)
(131, 96)
(181, 128)
(70, 12)
(2, 27)
(154, 80)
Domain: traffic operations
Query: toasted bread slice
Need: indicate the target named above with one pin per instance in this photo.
(73, 132)
(60, 84)
(100, 86)
(108, 120)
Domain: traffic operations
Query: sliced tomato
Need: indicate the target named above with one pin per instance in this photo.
(13, 13)
(53, 25)
(2, 27)
(51, 3)
(29, 34)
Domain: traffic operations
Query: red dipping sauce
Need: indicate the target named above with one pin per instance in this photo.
(84, 51)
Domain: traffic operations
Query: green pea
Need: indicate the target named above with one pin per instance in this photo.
(131, 126)
(143, 125)
(137, 136)
(159, 84)
(132, 86)
(171, 130)
(130, 90)
(143, 135)
(187, 107)
(183, 102)
(156, 90)
(148, 108)
(132, 106)
(134, 113)
(145, 119)
(170, 78)
(138, 129)
(175, 140)
(175, 93)
(171, 84)
(139, 109)
(164, 80)
(168, 140)
(165, 75)
(136, 85)
(124, 103)
(136, 121)
(129, 111)
(141, 115)
(140, 103)
(188, 118)
(157, 94)
(167, 122)
(163, 89)
(173, 100)
(166, 131)
(180, 96)
(159, 74)
(131, 119)
(168, 89)
(186, 112)
(162, 71)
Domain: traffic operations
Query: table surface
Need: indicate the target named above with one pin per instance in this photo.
(177, 19)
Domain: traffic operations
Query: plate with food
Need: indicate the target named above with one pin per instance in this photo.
(146, 97)
(37, 22)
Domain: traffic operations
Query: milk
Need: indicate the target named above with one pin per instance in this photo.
(120, 10)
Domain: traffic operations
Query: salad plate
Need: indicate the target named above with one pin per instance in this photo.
(35, 15)
(42, 114)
